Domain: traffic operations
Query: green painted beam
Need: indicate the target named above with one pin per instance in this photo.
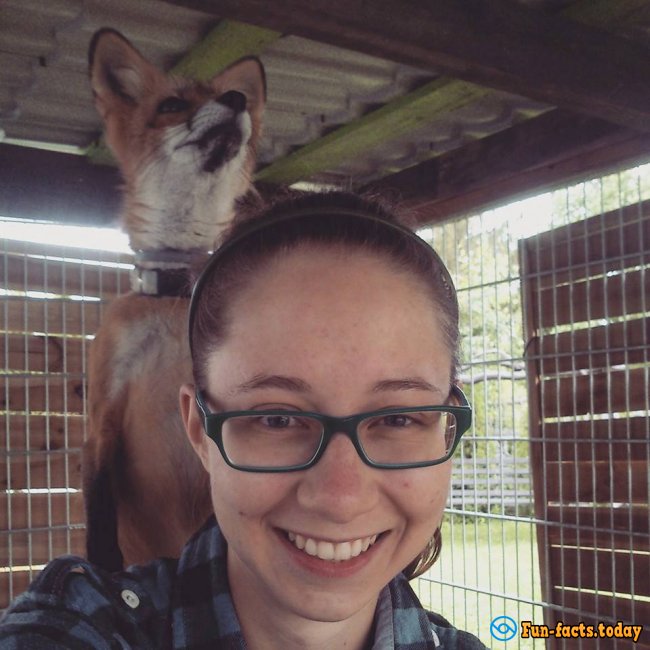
(226, 43)
(395, 119)
(229, 41)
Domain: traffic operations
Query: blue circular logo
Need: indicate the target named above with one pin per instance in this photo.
(503, 628)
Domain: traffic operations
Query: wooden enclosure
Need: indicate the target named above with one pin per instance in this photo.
(586, 293)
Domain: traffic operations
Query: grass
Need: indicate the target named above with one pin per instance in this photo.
(487, 568)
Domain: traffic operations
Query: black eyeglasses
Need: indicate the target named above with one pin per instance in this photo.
(277, 440)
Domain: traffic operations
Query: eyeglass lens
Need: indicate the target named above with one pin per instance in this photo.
(271, 440)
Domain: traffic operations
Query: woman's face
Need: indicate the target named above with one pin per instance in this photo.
(337, 332)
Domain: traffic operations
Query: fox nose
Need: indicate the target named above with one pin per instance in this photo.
(234, 99)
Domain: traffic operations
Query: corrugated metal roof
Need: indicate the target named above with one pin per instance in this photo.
(312, 88)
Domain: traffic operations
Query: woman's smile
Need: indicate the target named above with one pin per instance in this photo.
(331, 551)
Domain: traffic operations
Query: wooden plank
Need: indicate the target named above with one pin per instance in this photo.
(634, 521)
(597, 482)
(617, 391)
(626, 342)
(21, 511)
(70, 317)
(50, 354)
(586, 451)
(612, 235)
(488, 170)
(634, 214)
(590, 271)
(603, 298)
(38, 184)
(492, 187)
(64, 278)
(41, 470)
(602, 570)
(43, 432)
(545, 58)
(616, 609)
(564, 534)
(636, 429)
(391, 121)
(39, 547)
(41, 394)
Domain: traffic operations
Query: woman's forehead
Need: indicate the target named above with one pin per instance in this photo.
(335, 312)
(339, 272)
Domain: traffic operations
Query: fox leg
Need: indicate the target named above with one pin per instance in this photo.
(102, 545)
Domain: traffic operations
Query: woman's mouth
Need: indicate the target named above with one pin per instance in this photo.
(331, 551)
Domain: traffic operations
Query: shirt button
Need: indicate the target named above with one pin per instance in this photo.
(130, 598)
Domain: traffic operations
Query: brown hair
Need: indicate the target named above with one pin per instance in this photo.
(325, 219)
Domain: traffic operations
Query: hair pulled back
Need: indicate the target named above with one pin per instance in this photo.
(337, 219)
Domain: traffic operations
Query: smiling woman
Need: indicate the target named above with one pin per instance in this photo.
(324, 340)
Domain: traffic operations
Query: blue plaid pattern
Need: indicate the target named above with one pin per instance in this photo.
(181, 604)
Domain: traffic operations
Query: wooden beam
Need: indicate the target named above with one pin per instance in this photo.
(531, 157)
(392, 120)
(495, 43)
(39, 184)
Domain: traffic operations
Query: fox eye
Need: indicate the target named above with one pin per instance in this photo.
(173, 105)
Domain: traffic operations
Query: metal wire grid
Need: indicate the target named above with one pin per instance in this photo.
(576, 592)
(52, 298)
(489, 565)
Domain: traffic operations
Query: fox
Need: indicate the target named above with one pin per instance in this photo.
(186, 152)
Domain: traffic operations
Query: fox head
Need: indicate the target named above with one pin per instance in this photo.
(186, 149)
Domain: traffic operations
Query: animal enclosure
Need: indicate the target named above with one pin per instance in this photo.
(540, 526)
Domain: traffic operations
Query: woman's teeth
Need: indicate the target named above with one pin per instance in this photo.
(334, 552)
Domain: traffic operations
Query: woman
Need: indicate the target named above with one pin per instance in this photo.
(324, 341)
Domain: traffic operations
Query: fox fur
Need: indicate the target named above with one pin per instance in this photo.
(186, 151)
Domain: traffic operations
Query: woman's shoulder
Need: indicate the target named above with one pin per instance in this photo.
(73, 602)
(450, 638)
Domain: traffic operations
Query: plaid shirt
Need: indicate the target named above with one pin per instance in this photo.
(181, 604)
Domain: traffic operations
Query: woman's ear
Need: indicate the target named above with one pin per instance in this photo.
(193, 423)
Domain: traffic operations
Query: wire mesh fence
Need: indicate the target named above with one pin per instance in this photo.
(52, 299)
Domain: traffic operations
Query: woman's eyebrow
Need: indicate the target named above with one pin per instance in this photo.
(406, 383)
(274, 381)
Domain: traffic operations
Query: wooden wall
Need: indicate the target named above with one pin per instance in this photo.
(50, 308)
(586, 290)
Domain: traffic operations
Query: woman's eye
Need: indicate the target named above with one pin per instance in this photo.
(173, 105)
(277, 421)
(396, 420)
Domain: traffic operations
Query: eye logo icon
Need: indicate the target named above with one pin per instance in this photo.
(503, 628)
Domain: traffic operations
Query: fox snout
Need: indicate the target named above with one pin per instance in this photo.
(218, 130)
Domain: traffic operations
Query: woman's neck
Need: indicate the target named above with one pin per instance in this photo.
(267, 625)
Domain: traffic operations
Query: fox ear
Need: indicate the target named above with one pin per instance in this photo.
(118, 72)
(247, 76)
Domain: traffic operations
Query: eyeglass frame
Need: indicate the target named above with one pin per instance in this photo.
(347, 425)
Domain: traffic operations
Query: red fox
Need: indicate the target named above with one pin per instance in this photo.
(186, 151)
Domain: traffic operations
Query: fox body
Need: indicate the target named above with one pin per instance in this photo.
(186, 151)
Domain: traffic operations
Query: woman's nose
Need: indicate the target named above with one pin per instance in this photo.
(340, 486)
